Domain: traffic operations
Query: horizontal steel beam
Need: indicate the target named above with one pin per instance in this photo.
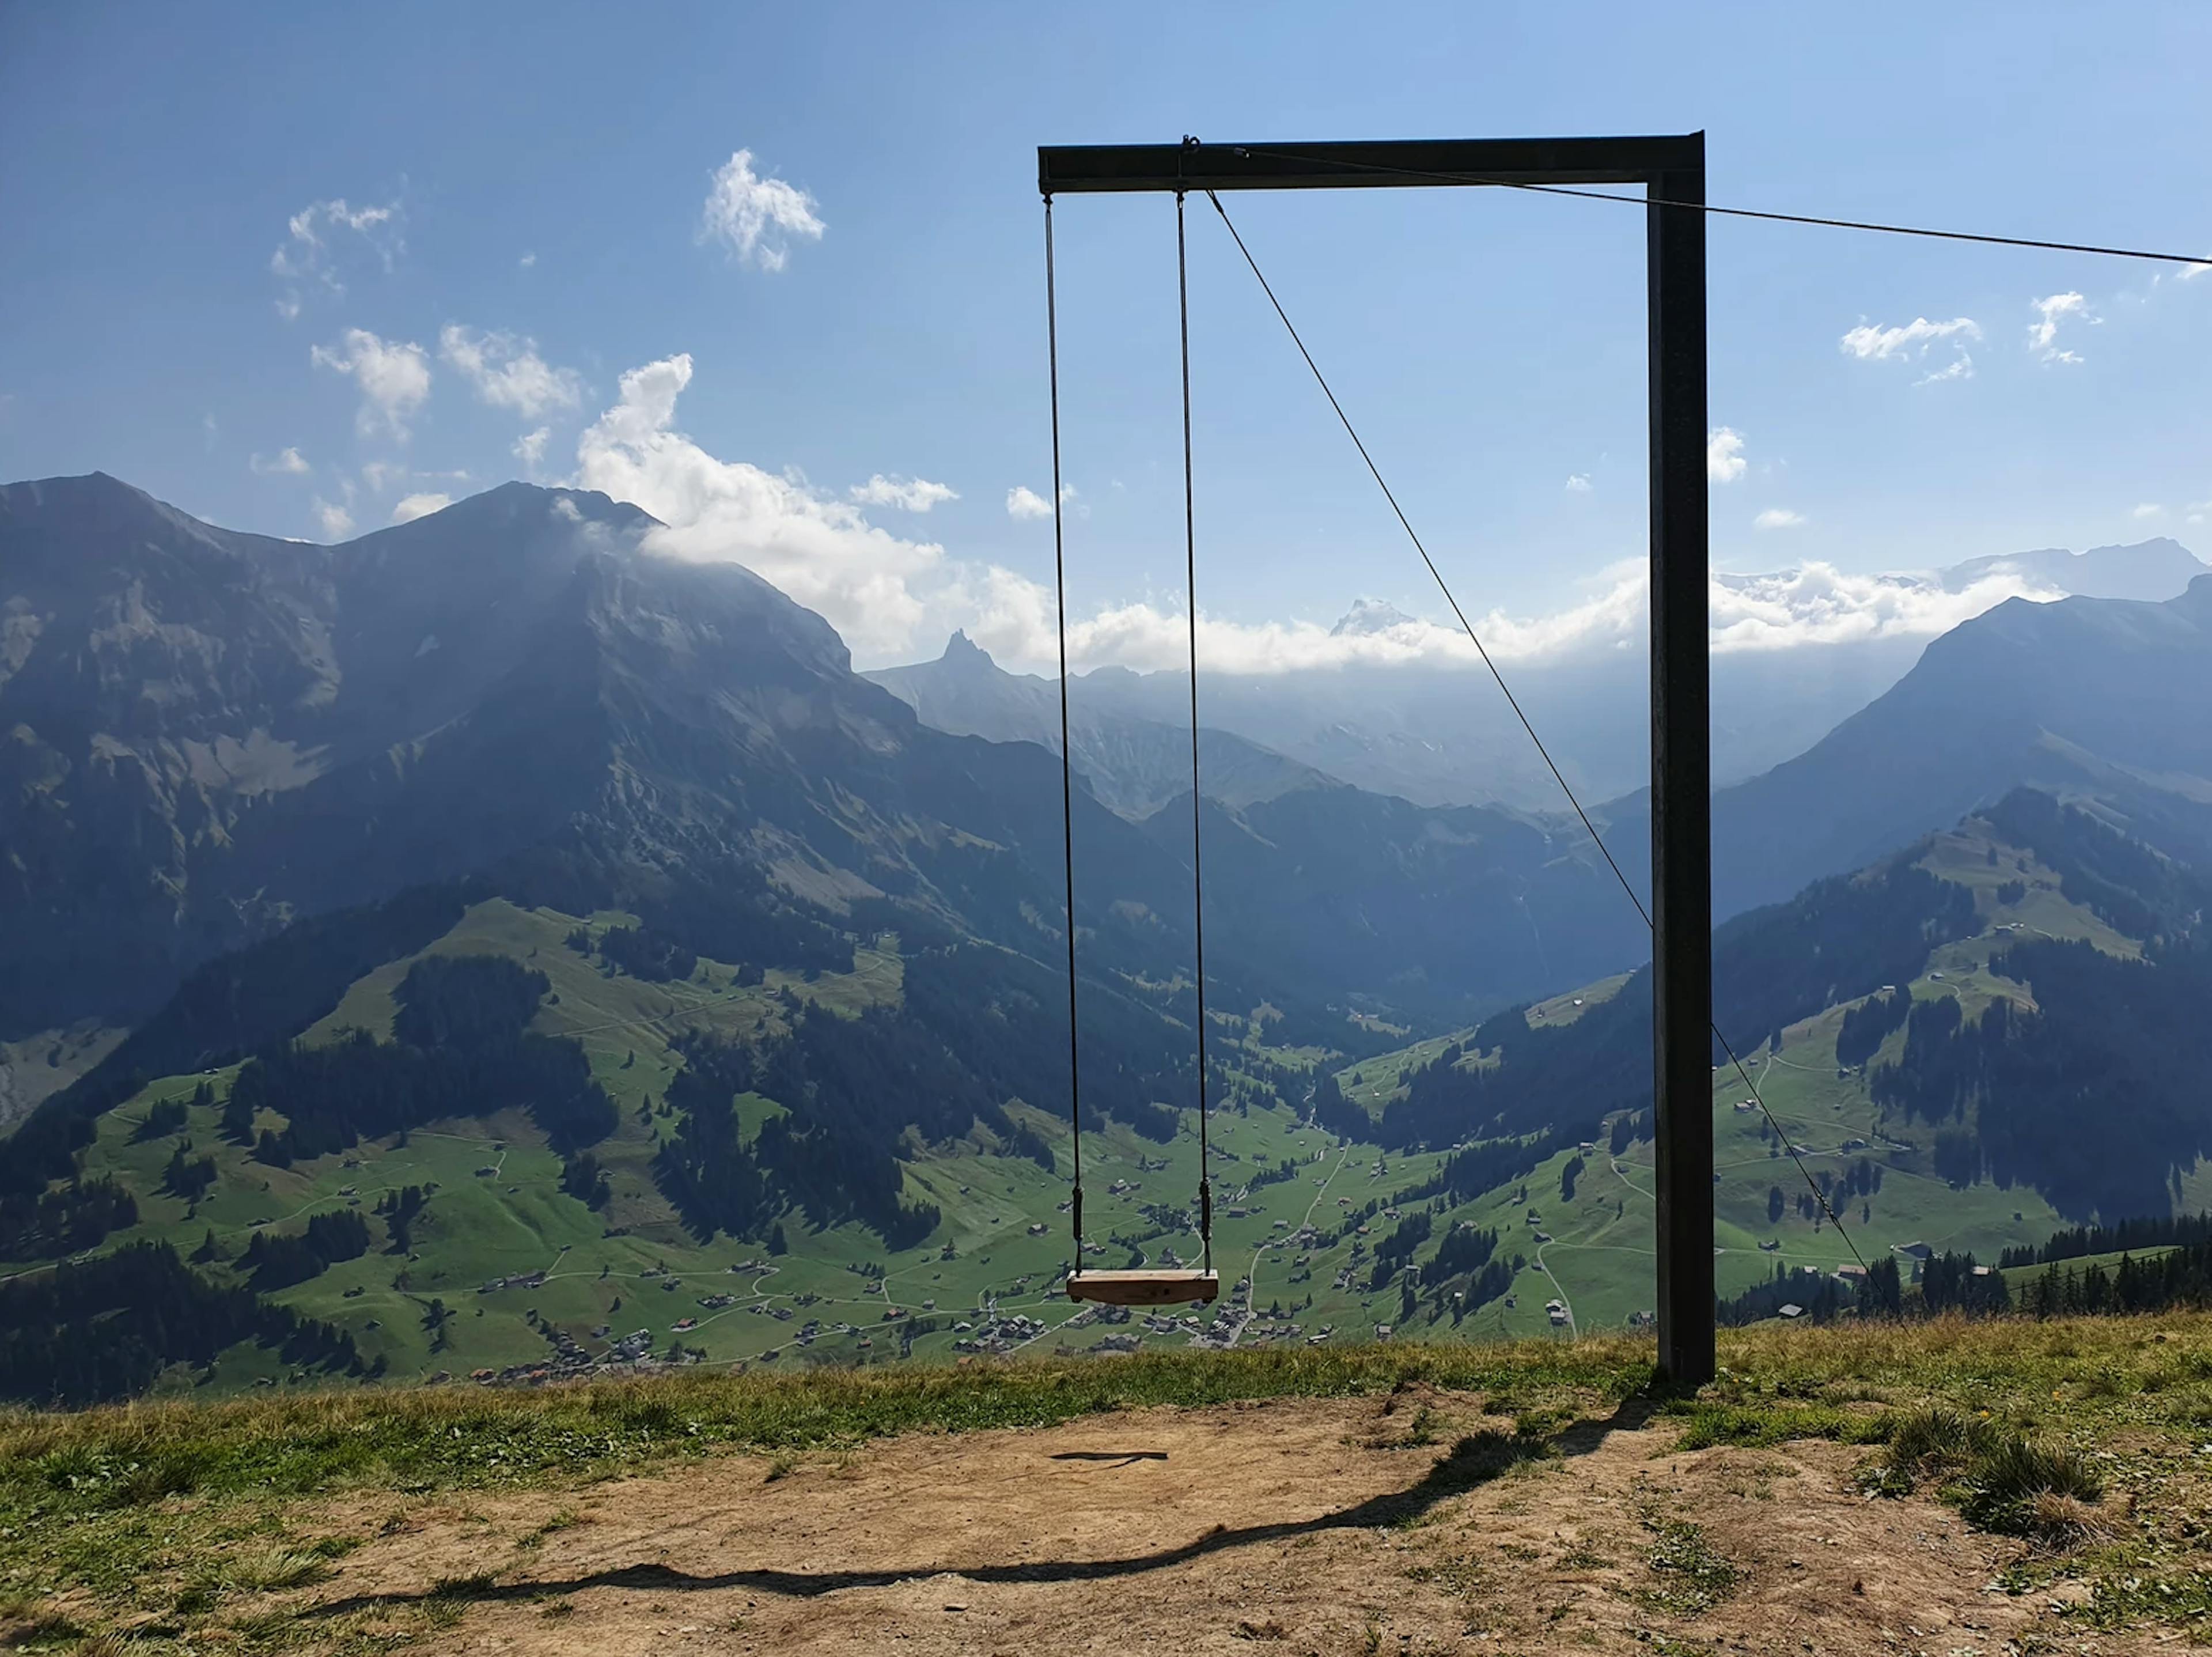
(1085, 170)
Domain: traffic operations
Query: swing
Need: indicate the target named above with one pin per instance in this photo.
(1133, 1288)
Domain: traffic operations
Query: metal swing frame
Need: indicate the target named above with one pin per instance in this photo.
(1672, 169)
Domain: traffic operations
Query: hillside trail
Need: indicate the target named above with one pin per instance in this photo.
(1406, 1524)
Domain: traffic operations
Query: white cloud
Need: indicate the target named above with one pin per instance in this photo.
(527, 260)
(507, 372)
(1870, 344)
(529, 448)
(287, 460)
(2148, 509)
(336, 521)
(1778, 517)
(755, 215)
(2043, 332)
(1820, 604)
(1013, 618)
(412, 507)
(1579, 483)
(1724, 461)
(380, 475)
(890, 597)
(2191, 272)
(1961, 367)
(2200, 511)
(394, 379)
(877, 589)
(310, 256)
(1023, 501)
(1912, 342)
(907, 494)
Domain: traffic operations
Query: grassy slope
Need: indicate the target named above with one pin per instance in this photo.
(517, 1221)
(1601, 1258)
(633, 1266)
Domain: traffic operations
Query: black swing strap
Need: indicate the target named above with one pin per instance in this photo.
(1066, 762)
(1190, 606)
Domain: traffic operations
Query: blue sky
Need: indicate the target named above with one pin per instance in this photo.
(521, 195)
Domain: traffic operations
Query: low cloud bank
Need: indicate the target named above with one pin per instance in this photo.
(893, 597)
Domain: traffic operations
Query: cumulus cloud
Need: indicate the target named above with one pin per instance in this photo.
(394, 379)
(891, 597)
(1778, 517)
(287, 460)
(529, 448)
(1724, 461)
(756, 218)
(907, 494)
(2148, 509)
(1870, 344)
(507, 372)
(1912, 341)
(877, 589)
(336, 521)
(412, 507)
(1817, 604)
(1961, 367)
(1023, 501)
(321, 234)
(527, 260)
(2043, 332)
(2200, 512)
(1579, 483)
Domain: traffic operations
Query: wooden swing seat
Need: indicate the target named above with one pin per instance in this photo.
(1143, 1287)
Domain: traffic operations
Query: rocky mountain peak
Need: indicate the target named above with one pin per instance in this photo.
(1369, 616)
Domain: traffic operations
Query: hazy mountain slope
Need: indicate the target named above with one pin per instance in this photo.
(1442, 735)
(210, 734)
(1421, 908)
(2151, 571)
(2106, 700)
(1134, 764)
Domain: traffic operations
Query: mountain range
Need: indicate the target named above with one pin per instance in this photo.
(1442, 735)
(213, 735)
(499, 827)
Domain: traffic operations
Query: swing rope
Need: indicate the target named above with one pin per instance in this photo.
(1066, 766)
(1066, 755)
(1190, 606)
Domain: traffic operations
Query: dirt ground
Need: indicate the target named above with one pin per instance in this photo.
(1346, 1526)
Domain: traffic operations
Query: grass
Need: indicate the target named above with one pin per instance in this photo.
(200, 1517)
(1693, 1576)
(2002, 1480)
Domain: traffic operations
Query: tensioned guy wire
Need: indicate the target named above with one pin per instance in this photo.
(1587, 194)
(1320, 379)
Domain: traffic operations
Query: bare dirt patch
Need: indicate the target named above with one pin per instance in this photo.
(1410, 1524)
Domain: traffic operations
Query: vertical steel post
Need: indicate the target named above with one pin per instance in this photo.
(1681, 798)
